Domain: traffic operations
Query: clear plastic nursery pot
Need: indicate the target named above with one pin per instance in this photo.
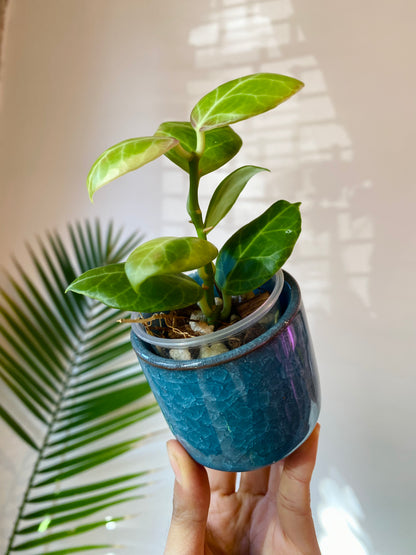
(249, 406)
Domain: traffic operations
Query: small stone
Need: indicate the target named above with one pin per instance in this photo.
(201, 327)
(212, 350)
(180, 354)
(197, 315)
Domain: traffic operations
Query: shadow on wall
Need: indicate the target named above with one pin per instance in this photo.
(307, 149)
(311, 157)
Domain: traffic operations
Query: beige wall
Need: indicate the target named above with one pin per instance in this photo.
(80, 75)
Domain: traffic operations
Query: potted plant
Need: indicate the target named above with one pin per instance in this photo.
(246, 393)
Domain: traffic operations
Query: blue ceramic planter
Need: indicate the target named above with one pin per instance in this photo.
(248, 407)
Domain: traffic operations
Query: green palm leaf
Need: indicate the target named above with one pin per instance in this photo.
(67, 366)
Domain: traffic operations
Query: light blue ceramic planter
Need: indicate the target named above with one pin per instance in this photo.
(248, 407)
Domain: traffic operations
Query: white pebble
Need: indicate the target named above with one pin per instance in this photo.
(201, 327)
(197, 315)
(212, 350)
(180, 354)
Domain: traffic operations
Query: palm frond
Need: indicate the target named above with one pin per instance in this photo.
(67, 366)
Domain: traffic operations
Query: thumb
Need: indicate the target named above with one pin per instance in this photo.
(191, 499)
(294, 495)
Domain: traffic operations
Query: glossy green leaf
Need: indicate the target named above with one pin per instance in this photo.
(221, 145)
(255, 252)
(227, 192)
(170, 292)
(242, 98)
(109, 285)
(167, 255)
(125, 157)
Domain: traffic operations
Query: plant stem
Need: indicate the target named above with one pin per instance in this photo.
(200, 142)
(207, 303)
(193, 207)
(226, 306)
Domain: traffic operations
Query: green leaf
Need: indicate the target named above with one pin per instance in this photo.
(58, 508)
(99, 378)
(257, 251)
(71, 550)
(61, 535)
(109, 285)
(7, 417)
(33, 302)
(227, 193)
(30, 340)
(106, 403)
(109, 354)
(92, 463)
(64, 308)
(105, 427)
(89, 460)
(95, 389)
(21, 376)
(221, 145)
(47, 522)
(50, 342)
(242, 98)
(96, 456)
(124, 157)
(167, 255)
(21, 392)
(169, 292)
(36, 325)
(59, 494)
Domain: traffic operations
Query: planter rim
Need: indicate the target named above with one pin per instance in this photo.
(219, 335)
(144, 353)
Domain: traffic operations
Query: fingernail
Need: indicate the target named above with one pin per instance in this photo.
(174, 463)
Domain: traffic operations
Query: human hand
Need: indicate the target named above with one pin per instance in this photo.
(269, 514)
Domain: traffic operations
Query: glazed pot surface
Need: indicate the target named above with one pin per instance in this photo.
(248, 407)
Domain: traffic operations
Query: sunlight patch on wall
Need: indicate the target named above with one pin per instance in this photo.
(340, 518)
(303, 142)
